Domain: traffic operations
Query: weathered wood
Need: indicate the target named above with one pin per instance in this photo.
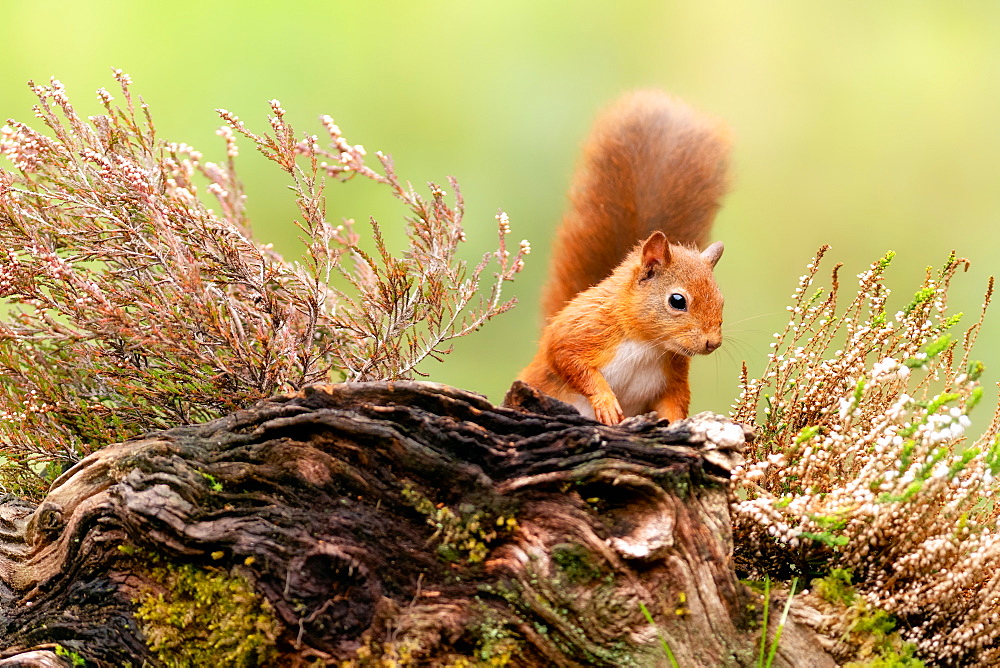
(406, 518)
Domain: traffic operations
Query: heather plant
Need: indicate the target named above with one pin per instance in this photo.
(135, 297)
(861, 463)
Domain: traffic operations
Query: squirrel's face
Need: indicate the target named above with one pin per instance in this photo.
(679, 300)
(692, 318)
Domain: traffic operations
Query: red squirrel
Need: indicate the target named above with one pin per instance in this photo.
(630, 297)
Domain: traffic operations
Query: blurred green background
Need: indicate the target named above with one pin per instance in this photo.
(868, 126)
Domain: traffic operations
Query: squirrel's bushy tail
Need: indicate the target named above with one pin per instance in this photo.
(650, 163)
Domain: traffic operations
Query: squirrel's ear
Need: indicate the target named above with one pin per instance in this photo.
(713, 253)
(655, 253)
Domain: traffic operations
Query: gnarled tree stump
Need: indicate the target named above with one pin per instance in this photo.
(403, 519)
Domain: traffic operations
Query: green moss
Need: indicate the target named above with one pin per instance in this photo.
(71, 656)
(887, 649)
(212, 482)
(464, 532)
(575, 562)
(870, 631)
(836, 587)
(198, 616)
(890, 658)
(489, 654)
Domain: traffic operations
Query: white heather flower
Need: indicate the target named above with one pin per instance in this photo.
(846, 408)
(504, 222)
(330, 126)
(226, 133)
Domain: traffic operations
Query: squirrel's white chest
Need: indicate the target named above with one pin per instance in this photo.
(635, 375)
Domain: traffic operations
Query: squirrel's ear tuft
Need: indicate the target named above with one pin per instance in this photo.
(655, 253)
(713, 253)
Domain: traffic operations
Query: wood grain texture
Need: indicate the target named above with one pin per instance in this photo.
(310, 496)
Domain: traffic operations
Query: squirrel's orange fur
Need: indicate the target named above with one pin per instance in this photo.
(627, 308)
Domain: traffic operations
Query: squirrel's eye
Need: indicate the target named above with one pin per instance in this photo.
(677, 302)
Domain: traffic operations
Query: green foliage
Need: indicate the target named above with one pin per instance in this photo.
(831, 526)
(667, 652)
(825, 537)
(767, 651)
(194, 616)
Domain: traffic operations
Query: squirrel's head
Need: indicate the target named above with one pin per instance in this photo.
(677, 298)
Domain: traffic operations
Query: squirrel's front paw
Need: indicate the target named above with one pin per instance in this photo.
(607, 409)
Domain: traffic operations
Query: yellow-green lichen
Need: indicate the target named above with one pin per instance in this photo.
(399, 655)
(464, 532)
(492, 662)
(495, 641)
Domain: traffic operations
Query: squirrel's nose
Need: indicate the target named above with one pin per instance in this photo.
(711, 345)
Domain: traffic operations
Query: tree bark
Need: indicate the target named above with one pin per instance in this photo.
(405, 520)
